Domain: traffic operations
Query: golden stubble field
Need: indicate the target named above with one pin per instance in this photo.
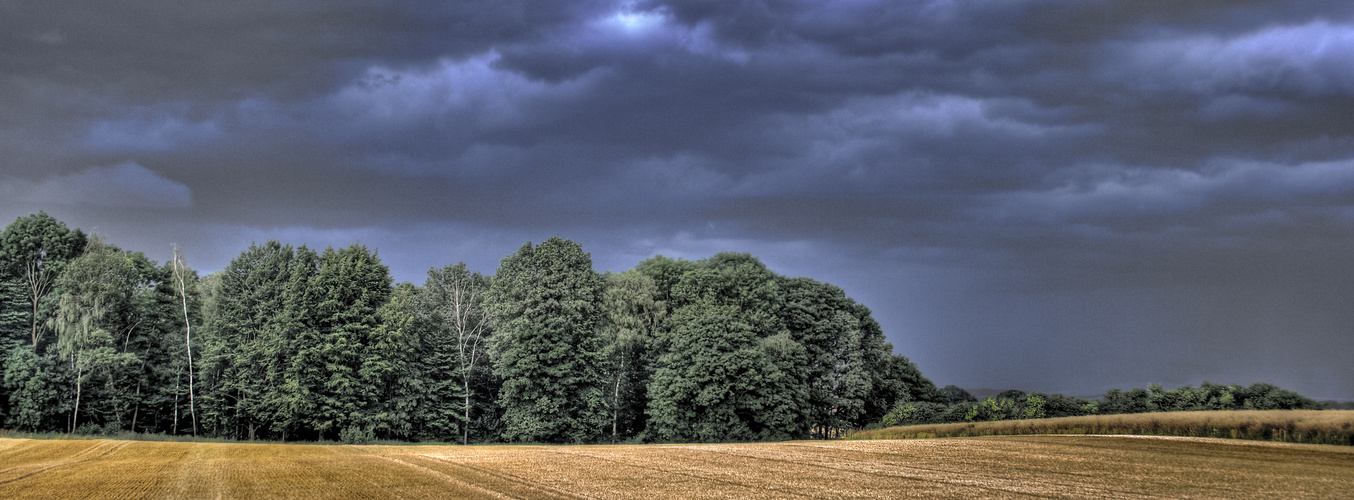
(991, 467)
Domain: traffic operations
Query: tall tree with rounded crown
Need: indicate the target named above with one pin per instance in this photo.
(351, 286)
(33, 251)
(545, 307)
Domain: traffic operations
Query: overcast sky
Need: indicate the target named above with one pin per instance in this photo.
(1056, 195)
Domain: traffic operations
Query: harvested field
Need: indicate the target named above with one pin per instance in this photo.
(1285, 426)
(1003, 466)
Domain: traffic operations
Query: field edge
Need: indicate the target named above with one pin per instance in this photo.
(1327, 427)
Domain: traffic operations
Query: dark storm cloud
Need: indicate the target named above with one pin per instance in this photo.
(203, 50)
(1054, 194)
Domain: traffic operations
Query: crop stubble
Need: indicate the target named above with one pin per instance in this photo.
(993, 467)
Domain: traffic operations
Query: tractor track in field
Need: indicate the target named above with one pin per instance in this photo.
(511, 478)
(446, 477)
(668, 470)
(84, 456)
(970, 479)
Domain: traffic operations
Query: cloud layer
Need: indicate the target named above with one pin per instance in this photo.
(1062, 195)
(122, 185)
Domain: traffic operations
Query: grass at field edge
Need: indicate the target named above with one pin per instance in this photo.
(1333, 427)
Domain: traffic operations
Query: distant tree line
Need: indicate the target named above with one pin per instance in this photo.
(287, 343)
(961, 406)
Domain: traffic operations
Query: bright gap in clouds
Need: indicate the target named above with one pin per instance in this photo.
(635, 22)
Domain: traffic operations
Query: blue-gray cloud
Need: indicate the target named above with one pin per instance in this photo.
(123, 185)
(1032, 191)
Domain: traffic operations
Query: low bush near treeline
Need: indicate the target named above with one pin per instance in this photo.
(1288, 426)
(959, 406)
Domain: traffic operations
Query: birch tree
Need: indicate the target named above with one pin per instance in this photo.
(95, 283)
(632, 317)
(181, 277)
(457, 298)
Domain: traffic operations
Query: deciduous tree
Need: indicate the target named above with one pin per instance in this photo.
(391, 372)
(34, 250)
(260, 304)
(350, 286)
(711, 382)
(632, 319)
(546, 315)
(182, 276)
(96, 283)
(456, 298)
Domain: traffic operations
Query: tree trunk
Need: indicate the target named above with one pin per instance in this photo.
(37, 287)
(616, 399)
(192, 407)
(75, 413)
(465, 439)
(33, 294)
(187, 332)
(34, 332)
(136, 408)
(175, 428)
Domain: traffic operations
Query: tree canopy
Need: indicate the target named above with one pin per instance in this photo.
(290, 343)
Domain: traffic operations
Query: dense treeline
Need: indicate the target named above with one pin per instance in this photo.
(289, 343)
(1014, 404)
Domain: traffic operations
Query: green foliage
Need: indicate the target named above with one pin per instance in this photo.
(545, 310)
(262, 308)
(286, 343)
(993, 409)
(34, 250)
(1208, 396)
(632, 319)
(1033, 407)
(1262, 396)
(821, 318)
(815, 369)
(958, 412)
(1137, 400)
(739, 281)
(1154, 398)
(14, 314)
(825, 363)
(785, 410)
(1058, 405)
(357, 434)
(666, 274)
(456, 347)
(391, 376)
(1291, 426)
(349, 287)
(711, 384)
(897, 380)
(96, 288)
(955, 394)
(914, 412)
(34, 384)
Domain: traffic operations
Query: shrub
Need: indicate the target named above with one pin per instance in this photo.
(914, 412)
(356, 434)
